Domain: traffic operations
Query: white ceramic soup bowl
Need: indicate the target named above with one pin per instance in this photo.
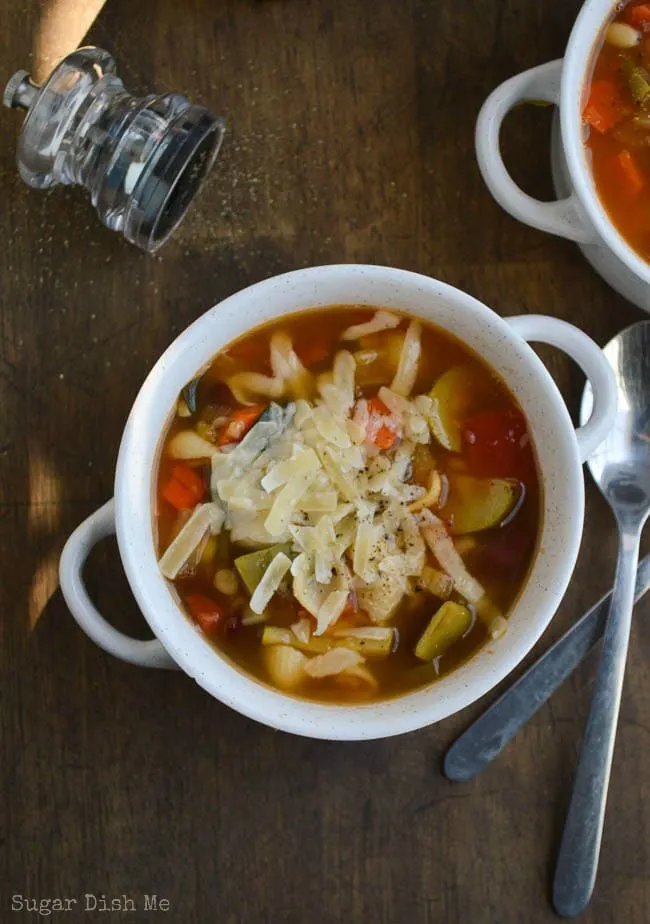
(561, 450)
(579, 214)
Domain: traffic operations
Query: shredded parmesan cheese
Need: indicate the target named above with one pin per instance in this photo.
(205, 518)
(432, 497)
(301, 462)
(285, 503)
(248, 386)
(307, 474)
(381, 320)
(330, 611)
(442, 546)
(333, 662)
(364, 551)
(407, 370)
(271, 580)
(302, 630)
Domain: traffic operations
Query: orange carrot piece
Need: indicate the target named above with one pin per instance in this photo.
(605, 107)
(377, 406)
(240, 423)
(385, 438)
(630, 172)
(177, 495)
(184, 489)
(191, 480)
(205, 611)
(638, 15)
(383, 430)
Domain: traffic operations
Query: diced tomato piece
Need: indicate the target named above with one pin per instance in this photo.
(605, 107)
(497, 445)
(185, 488)
(240, 423)
(206, 612)
(632, 178)
(638, 15)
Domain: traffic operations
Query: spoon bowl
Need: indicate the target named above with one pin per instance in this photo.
(621, 465)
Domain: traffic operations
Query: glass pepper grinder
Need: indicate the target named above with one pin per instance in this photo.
(142, 160)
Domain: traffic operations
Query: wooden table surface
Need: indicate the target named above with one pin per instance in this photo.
(350, 138)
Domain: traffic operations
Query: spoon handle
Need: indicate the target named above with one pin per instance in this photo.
(491, 732)
(577, 863)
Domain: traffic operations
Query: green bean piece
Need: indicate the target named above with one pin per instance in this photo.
(318, 644)
(638, 80)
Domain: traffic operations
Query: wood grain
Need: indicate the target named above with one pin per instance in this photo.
(62, 25)
(350, 138)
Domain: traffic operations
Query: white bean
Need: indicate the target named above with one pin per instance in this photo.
(226, 582)
(621, 35)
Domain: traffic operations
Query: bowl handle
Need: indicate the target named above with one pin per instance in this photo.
(99, 525)
(563, 217)
(591, 359)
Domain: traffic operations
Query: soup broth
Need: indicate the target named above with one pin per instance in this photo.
(617, 116)
(347, 503)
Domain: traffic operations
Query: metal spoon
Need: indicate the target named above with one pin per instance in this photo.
(621, 469)
(486, 737)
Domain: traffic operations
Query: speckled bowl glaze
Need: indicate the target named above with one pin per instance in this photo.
(561, 450)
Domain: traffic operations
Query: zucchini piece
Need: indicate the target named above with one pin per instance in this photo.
(453, 396)
(252, 566)
(189, 395)
(266, 415)
(448, 625)
(474, 504)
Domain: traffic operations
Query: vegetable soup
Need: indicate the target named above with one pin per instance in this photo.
(348, 503)
(617, 114)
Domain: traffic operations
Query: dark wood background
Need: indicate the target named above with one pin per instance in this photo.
(350, 138)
